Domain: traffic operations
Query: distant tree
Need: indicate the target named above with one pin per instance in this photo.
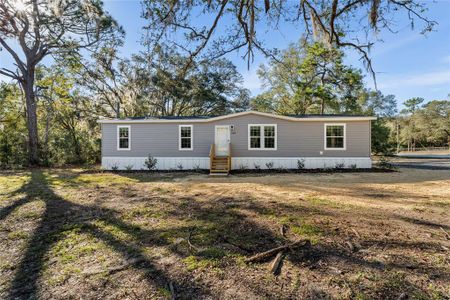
(374, 103)
(309, 78)
(412, 105)
(43, 28)
(433, 122)
(12, 126)
(207, 88)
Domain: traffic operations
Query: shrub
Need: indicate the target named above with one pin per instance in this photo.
(353, 166)
(257, 167)
(197, 168)
(150, 162)
(243, 167)
(129, 167)
(385, 163)
(180, 166)
(339, 166)
(115, 167)
(300, 164)
(269, 165)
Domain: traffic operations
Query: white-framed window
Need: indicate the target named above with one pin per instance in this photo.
(262, 136)
(123, 137)
(335, 136)
(185, 137)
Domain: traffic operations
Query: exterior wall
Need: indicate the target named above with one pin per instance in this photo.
(188, 163)
(294, 139)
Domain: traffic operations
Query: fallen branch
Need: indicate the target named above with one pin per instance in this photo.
(113, 269)
(283, 230)
(228, 241)
(274, 266)
(271, 252)
(447, 235)
(192, 247)
(172, 291)
(356, 233)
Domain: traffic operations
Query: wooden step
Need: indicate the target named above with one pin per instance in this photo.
(218, 174)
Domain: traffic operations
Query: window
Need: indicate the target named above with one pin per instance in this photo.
(185, 140)
(335, 137)
(123, 137)
(262, 137)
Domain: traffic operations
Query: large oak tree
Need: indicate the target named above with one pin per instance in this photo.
(31, 30)
(216, 27)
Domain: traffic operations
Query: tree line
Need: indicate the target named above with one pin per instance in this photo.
(66, 71)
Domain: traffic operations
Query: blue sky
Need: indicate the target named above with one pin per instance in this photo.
(408, 64)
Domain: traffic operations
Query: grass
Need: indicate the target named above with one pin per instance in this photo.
(131, 231)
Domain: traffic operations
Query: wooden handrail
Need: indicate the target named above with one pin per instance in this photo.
(229, 157)
(212, 153)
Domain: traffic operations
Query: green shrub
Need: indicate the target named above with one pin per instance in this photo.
(269, 165)
(385, 163)
(300, 164)
(150, 162)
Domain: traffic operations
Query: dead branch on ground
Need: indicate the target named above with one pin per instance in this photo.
(269, 253)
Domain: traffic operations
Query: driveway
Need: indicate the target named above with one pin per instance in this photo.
(423, 163)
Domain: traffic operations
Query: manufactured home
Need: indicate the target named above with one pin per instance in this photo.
(244, 140)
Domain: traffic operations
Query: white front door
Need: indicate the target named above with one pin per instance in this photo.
(222, 140)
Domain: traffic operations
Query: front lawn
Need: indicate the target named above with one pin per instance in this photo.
(68, 233)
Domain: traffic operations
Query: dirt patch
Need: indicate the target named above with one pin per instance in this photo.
(76, 234)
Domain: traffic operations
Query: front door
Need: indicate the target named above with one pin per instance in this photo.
(222, 140)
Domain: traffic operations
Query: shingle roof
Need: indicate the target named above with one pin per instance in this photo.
(214, 116)
(171, 117)
(204, 119)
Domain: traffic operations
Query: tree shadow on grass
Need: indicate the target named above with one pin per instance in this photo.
(216, 227)
(59, 214)
(215, 224)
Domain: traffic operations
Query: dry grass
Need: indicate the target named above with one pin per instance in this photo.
(72, 234)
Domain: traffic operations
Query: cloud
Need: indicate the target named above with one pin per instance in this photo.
(415, 80)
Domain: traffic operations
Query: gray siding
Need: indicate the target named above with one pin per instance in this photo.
(294, 139)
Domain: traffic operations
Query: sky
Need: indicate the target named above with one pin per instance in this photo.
(408, 64)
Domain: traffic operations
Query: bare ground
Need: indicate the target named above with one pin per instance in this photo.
(71, 234)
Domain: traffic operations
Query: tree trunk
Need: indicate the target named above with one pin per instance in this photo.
(31, 107)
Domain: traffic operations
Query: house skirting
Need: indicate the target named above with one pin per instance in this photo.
(190, 163)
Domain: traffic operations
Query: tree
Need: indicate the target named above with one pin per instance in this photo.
(12, 126)
(433, 122)
(207, 88)
(336, 23)
(43, 28)
(310, 78)
(374, 103)
(412, 105)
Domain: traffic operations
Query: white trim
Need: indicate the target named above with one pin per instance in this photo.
(192, 138)
(163, 163)
(118, 137)
(189, 163)
(291, 162)
(261, 126)
(308, 119)
(215, 134)
(325, 136)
